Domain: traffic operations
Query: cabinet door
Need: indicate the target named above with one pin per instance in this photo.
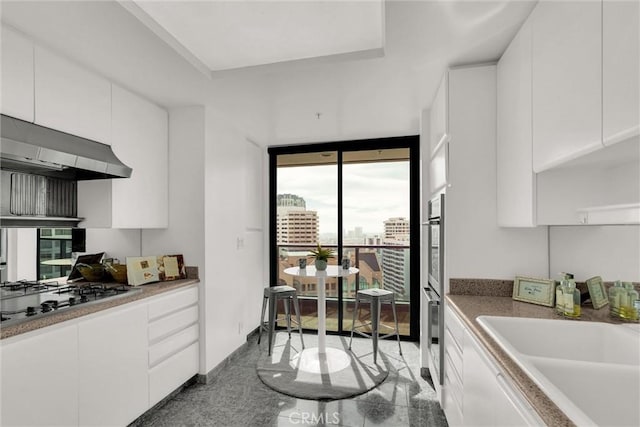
(438, 170)
(113, 383)
(40, 378)
(71, 99)
(567, 81)
(479, 387)
(620, 70)
(515, 178)
(490, 399)
(17, 75)
(140, 140)
(439, 117)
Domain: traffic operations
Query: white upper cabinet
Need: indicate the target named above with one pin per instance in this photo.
(567, 81)
(620, 70)
(515, 178)
(140, 140)
(438, 177)
(70, 98)
(17, 75)
(439, 116)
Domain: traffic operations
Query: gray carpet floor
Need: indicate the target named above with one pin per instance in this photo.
(237, 397)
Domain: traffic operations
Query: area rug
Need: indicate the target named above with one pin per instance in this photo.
(290, 368)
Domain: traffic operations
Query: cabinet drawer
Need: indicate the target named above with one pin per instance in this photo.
(174, 302)
(455, 383)
(172, 373)
(454, 326)
(172, 323)
(451, 401)
(172, 345)
(453, 354)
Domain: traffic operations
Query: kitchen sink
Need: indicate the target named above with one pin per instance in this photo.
(591, 370)
(566, 339)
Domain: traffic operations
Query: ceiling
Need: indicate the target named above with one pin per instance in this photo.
(224, 35)
(279, 95)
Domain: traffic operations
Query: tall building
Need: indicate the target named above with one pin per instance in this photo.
(395, 262)
(396, 228)
(295, 225)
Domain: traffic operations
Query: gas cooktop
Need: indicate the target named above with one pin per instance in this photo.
(25, 299)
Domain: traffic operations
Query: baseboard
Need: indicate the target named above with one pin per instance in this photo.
(142, 419)
(209, 376)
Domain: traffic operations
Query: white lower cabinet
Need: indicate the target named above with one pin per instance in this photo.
(39, 378)
(477, 392)
(172, 373)
(113, 367)
(452, 390)
(103, 370)
(489, 397)
(173, 355)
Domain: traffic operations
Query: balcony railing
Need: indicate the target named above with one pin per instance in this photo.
(381, 266)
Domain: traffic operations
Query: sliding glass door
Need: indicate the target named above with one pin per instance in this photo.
(361, 199)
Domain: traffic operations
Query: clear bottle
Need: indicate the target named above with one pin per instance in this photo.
(559, 295)
(577, 308)
(559, 298)
(571, 299)
(627, 309)
(614, 298)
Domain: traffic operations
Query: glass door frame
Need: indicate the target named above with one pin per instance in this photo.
(412, 142)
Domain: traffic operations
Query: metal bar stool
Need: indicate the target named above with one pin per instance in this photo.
(375, 297)
(273, 294)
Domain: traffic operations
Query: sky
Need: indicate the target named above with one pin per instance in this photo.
(373, 192)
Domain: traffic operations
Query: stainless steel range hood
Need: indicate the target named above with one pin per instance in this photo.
(30, 148)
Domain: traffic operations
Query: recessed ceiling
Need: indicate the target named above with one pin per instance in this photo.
(225, 35)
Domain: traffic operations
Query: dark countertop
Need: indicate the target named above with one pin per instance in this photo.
(476, 297)
(138, 293)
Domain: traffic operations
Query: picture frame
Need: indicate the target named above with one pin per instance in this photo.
(534, 291)
(597, 292)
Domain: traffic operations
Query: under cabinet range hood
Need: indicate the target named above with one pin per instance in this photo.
(30, 148)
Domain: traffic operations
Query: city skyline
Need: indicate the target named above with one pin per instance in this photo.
(372, 193)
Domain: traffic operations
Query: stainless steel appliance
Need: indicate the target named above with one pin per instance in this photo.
(30, 148)
(3, 255)
(434, 290)
(24, 300)
(40, 170)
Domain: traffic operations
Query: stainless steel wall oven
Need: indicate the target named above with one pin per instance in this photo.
(434, 290)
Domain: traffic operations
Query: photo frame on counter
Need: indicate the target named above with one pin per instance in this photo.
(597, 292)
(534, 291)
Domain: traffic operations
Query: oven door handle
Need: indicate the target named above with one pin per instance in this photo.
(431, 300)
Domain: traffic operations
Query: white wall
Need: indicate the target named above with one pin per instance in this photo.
(234, 255)
(476, 246)
(185, 234)
(609, 251)
(115, 243)
(22, 253)
(186, 190)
